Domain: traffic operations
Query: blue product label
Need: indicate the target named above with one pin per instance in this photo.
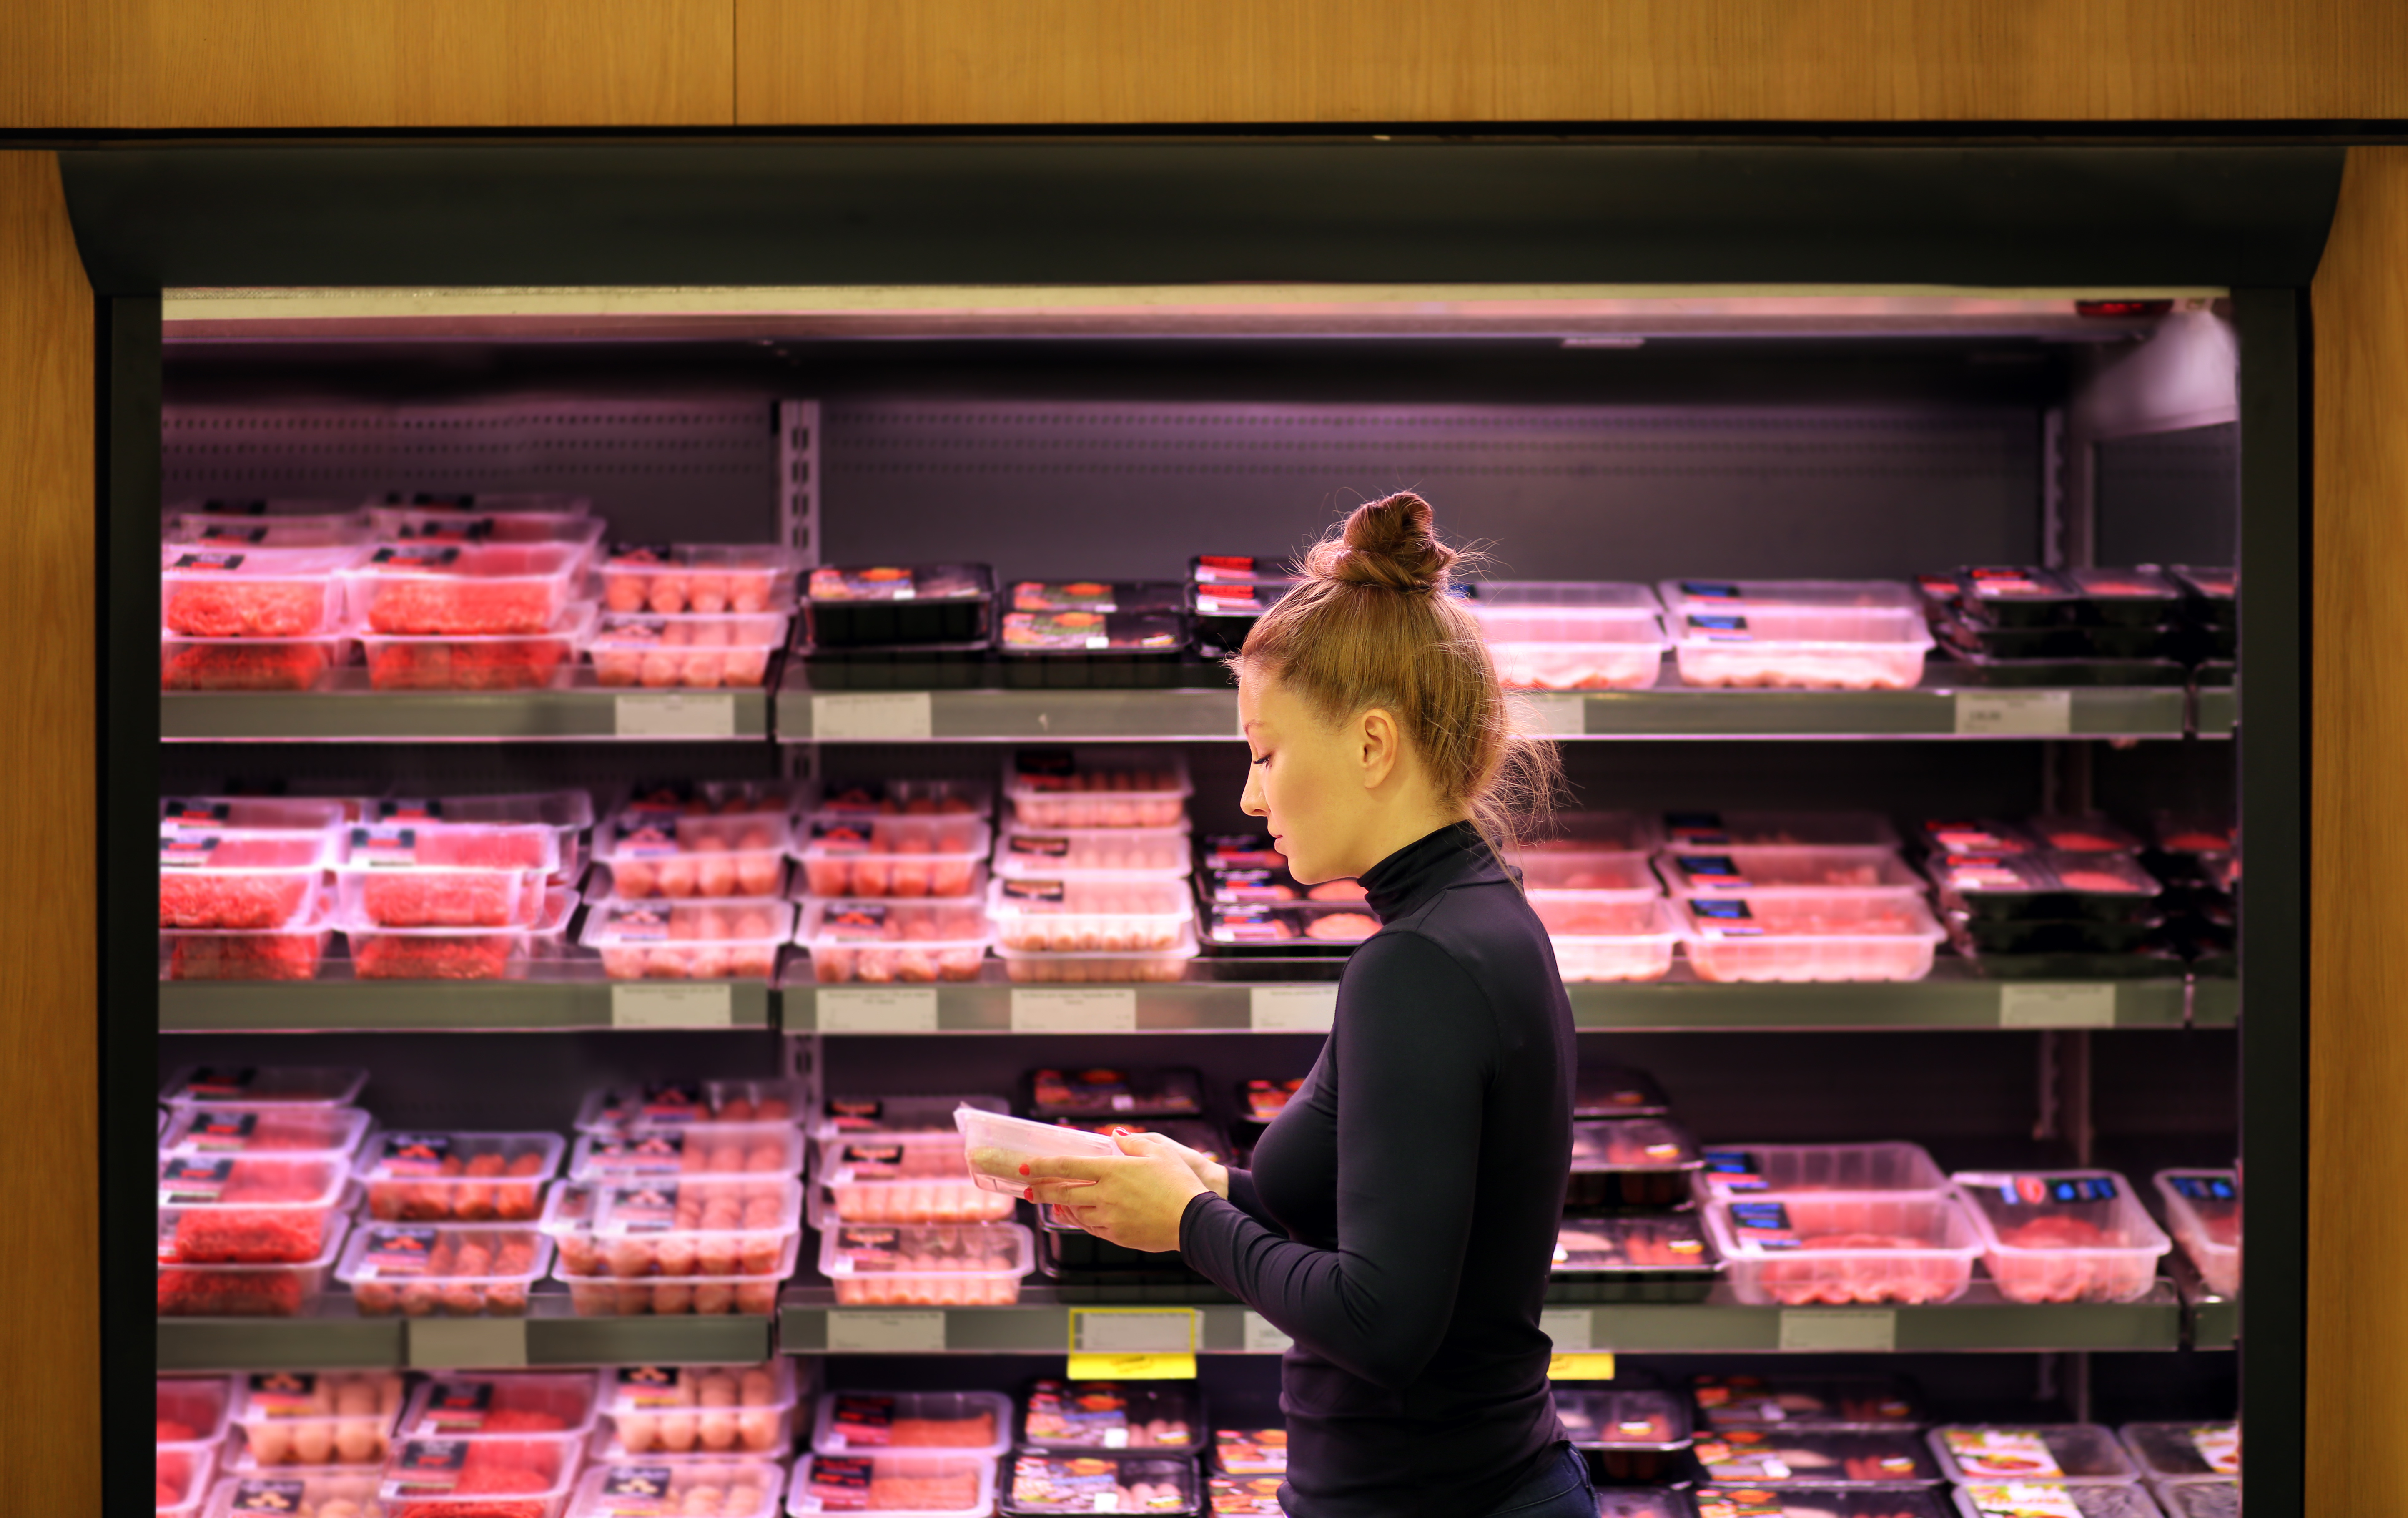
(1716, 870)
(2205, 1187)
(1710, 589)
(1726, 918)
(1734, 1170)
(1763, 1218)
(2054, 1190)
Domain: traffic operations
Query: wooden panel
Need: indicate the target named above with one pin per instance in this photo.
(896, 61)
(2357, 1075)
(162, 64)
(49, 1330)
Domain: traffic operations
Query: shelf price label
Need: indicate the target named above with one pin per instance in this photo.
(682, 714)
(1847, 1330)
(2047, 1004)
(852, 1331)
(2014, 714)
(886, 716)
(648, 1003)
(1598, 1366)
(1132, 1368)
(1569, 1328)
(1095, 1009)
(450, 1343)
(875, 1009)
(1292, 1010)
(1558, 717)
(1264, 1337)
(1135, 1330)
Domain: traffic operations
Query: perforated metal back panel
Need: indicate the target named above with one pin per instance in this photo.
(1129, 490)
(670, 469)
(2169, 497)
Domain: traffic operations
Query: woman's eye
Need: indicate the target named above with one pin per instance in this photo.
(1261, 759)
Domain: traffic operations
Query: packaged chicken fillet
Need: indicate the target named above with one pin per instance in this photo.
(1837, 1249)
(2063, 1235)
(2203, 1213)
(1061, 788)
(1636, 1257)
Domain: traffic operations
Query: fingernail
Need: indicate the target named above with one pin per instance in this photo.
(1023, 1170)
(1029, 1195)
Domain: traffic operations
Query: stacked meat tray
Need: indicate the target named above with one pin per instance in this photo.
(458, 593)
(2023, 624)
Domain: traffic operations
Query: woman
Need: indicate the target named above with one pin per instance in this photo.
(1400, 1217)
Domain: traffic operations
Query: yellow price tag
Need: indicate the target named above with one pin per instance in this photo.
(1132, 1368)
(1580, 1367)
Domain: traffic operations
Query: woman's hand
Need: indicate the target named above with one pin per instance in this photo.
(1136, 1200)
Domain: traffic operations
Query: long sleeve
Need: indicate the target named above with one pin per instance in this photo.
(1247, 1200)
(1412, 1049)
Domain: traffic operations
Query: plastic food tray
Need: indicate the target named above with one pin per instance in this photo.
(456, 954)
(1630, 1161)
(1637, 1435)
(905, 1178)
(1820, 1502)
(716, 939)
(719, 1151)
(1612, 1091)
(922, 603)
(1570, 635)
(846, 1113)
(274, 1085)
(249, 663)
(1082, 853)
(455, 1270)
(1250, 1451)
(447, 524)
(2130, 598)
(1648, 1502)
(1680, 595)
(1815, 1457)
(997, 1147)
(1837, 1248)
(705, 579)
(2198, 1499)
(473, 590)
(2019, 1499)
(238, 880)
(533, 660)
(1879, 935)
(1644, 1257)
(247, 1290)
(658, 852)
(478, 1478)
(1116, 1417)
(941, 797)
(671, 1228)
(1871, 1403)
(247, 1210)
(1853, 649)
(2076, 1453)
(2098, 888)
(458, 1177)
(1774, 871)
(850, 854)
(247, 592)
(1101, 966)
(2184, 1450)
(1644, 953)
(299, 1491)
(1090, 787)
(193, 1410)
(2063, 1235)
(1288, 927)
(946, 1423)
(330, 1133)
(1077, 634)
(182, 1479)
(675, 1103)
(1580, 833)
(1628, 877)
(445, 875)
(489, 501)
(301, 527)
(317, 1418)
(721, 1488)
(1630, 661)
(2089, 835)
(1102, 1092)
(927, 1265)
(670, 1411)
(1744, 1169)
(751, 1295)
(251, 814)
(1975, 837)
(703, 653)
(1700, 831)
(903, 1484)
(2204, 1212)
(2015, 596)
(878, 942)
(293, 953)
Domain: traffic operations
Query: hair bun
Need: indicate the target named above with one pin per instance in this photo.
(1391, 542)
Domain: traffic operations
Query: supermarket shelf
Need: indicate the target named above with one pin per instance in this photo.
(2215, 1002)
(1933, 709)
(1953, 997)
(572, 997)
(338, 1339)
(350, 712)
(1978, 1321)
(2215, 1321)
(2215, 711)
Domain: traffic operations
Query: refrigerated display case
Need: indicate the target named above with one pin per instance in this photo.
(1962, 391)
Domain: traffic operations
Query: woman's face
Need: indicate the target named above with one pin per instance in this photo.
(1307, 782)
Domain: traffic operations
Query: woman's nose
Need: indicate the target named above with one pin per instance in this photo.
(1252, 802)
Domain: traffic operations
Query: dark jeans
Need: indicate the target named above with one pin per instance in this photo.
(1558, 1488)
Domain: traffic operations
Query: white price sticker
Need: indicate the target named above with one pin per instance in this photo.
(466, 1343)
(853, 1331)
(675, 716)
(1559, 717)
(875, 1009)
(666, 1005)
(1135, 1330)
(1570, 1328)
(2048, 1005)
(2014, 714)
(1087, 1010)
(1839, 1329)
(1292, 1010)
(890, 716)
(1263, 1338)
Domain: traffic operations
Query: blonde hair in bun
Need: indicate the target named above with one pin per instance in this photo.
(1372, 623)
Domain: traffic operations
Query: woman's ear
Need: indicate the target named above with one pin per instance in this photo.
(1381, 746)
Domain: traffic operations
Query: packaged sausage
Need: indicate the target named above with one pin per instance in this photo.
(905, 1484)
(2063, 1235)
(418, 1177)
(927, 1265)
(1838, 1248)
(251, 663)
(245, 591)
(954, 1423)
(1150, 1417)
(442, 1270)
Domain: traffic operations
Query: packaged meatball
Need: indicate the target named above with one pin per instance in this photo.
(954, 1423)
(1155, 1417)
(2064, 1235)
(927, 1265)
(905, 1178)
(2203, 1213)
(244, 591)
(2076, 1453)
(1101, 1092)
(246, 881)
(858, 854)
(1873, 1404)
(1807, 1457)
(1630, 1162)
(721, 1488)
(705, 1246)
(655, 1411)
(559, 502)
(317, 1418)
(1636, 1435)
(722, 938)
(1838, 1248)
(638, 1153)
(882, 942)
(1092, 853)
(442, 1270)
(1063, 788)
(458, 1177)
(914, 797)
(699, 579)
(659, 1103)
(1745, 1169)
(701, 653)
(907, 1483)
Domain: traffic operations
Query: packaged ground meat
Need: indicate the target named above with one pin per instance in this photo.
(380, 953)
(2063, 1235)
(458, 1177)
(927, 1265)
(248, 1209)
(956, 1422)
(1880, 934)
(1636, 1435)
(226, 879)
(478, 1478)
(495, 1404)
(1154, 1417)
(291, 522)
(437, 1270)
(691, 652)
(905, 1484)
(535, 660)
(464, 590)
(252, 814)
(242, 1290)
(1838, 1248)
(905, 1178)
(1805, 1457)
(444, 874)
(182, 1475)
(2078, 1453)
(252, 592)
(317, 1418)
(312, 1132)
(683, 1150)
(655, 850)
(854, 854)
(1864, 1403)
(251, 663)
(650, 1411)
(731, 938)
(220, 954)
(881, 941)
(2203, 1214)
(700, 1488)
(1042, 1484)
(266, 1084)
(657, 1104)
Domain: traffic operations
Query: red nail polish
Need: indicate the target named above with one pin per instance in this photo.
(1028, 1194)
(1023, 1170)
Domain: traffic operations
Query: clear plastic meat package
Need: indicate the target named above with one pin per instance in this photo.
(194, 1411)
(2203, 1214)
(1882, 933)
(458, 1177)
(998, 1146)
(251, 663)
(248, 1209)
(299, 1133)
(671, 1151)
(2063, 1235)
(948, 1422)
(846, 1113)
(247, 881)
(905, 1178)
(317, 1418)
(497, 1404)
(301, 1492)
(1099, 966)
(1570, 635)
(927, 1265)
(1119, 1417)
(1857, 635)
(1837, 1248)
(698, 653)
(721, 938)
(445, 875)
(1744, 1169)
(1096, 788)
(464, 590)
(701, 579)
(717, 1488)
(1814, 1458)
(398, 523)
(883, 942)
(668, 1102)
(661, 851)
(294, 952)
(442, 1270)
(677, 1411)
(913, 1483)
(1082, 853)
(260, 1290)
(445, 953)
(252, 592)
(1701, 831)
(2076, 1453)
(273, 1085)
(1588, 946)
(850, 854)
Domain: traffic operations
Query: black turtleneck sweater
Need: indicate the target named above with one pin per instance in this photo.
(1400, 1217)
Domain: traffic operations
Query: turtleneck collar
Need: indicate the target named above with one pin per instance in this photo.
(1410, 876)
